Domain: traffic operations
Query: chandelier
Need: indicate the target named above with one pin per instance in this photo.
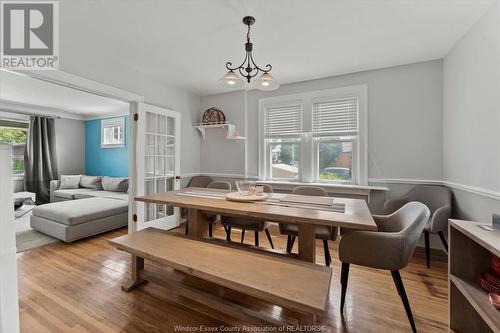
(248, 68)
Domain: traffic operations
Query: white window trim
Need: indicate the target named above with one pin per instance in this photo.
(117, 121)
(307, 172)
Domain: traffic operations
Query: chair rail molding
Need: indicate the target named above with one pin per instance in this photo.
(453, 185)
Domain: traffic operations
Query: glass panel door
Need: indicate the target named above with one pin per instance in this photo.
(158, 164)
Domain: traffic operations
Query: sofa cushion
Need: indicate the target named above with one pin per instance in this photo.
(93, 182)
(115, 184)
(70, 193)
(69, 181)
(80, 211)
(102, 194)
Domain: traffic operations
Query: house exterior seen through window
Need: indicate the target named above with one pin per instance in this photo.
(15, 133)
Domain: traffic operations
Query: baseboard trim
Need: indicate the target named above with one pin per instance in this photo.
(453, 185)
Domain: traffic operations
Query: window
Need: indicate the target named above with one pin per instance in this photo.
(113, 132)
(282, 132)
(15, 133)
(314, 137)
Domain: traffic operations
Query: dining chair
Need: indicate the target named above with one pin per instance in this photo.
(438, 200)
(324, 233)
(196, 181)
(212, 218)
(389, 248)
(248, 224)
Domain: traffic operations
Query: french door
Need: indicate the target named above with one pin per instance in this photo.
(157, 164)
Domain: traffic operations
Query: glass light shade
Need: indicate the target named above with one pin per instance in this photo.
(266, 82)
(231, 80)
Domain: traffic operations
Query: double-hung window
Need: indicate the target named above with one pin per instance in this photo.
(314, 137)
(282, 140)
(113, 132)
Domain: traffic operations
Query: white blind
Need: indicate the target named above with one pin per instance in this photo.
(284, 120)
(336, 117)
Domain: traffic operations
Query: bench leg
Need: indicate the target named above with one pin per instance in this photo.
(307, 319)
(137, 267)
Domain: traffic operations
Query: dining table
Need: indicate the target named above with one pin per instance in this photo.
(305, 211)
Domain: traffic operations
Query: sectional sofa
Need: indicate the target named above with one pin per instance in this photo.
(82, 206)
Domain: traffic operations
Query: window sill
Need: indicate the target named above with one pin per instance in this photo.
(18, 177)
(346, 189)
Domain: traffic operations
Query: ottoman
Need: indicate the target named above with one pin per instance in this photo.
(76, 219)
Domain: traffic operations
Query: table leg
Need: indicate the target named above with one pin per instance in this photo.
(307, 243)
(137, 267)
(198, 224)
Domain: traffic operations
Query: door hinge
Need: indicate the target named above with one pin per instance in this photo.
(136, 116)
(134, 217)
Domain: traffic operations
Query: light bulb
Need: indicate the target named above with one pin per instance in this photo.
(266, 82)
(231, 80)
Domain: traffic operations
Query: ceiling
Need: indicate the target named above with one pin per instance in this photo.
(186, 43)
(20, 92)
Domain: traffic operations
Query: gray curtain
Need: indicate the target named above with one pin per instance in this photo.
(40, 164)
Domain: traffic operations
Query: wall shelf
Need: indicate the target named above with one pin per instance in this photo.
(227, 126)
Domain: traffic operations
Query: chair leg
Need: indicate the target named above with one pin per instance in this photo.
(210, 229)
(256, 238)
(269, 238)
(228, 234)
(242, 235)
(186, 230)
(344, 276)
(402, 293)
(288, 242)
(328, 259)
(427, 249)
(443, 240)
(292, 241)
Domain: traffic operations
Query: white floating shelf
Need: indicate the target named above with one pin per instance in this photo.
(227, 126)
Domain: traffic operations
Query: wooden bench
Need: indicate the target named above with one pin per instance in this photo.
(293, 284)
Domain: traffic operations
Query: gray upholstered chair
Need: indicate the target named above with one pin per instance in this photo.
(248, 224)
(389, 248)
(196, 181)
(322, 232)
(221, 185)
(438, 200)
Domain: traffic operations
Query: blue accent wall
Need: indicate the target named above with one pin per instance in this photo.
(104, 161)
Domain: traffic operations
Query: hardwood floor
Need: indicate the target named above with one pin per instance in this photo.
(76, 288)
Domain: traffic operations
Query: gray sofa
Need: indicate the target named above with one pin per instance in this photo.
(82, 206)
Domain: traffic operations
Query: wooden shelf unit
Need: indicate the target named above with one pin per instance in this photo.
(471, 249)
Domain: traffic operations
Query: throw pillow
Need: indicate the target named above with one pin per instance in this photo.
(69, 182)
(115, 184)
(93, 182)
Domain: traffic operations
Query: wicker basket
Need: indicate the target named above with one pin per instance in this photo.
(213, 115)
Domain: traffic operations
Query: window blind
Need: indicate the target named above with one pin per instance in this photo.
(335, 117)
(284, 120)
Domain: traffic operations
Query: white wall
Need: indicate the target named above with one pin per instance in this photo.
(471, 117)
(404, 128)
(70, 146)
(9, 306)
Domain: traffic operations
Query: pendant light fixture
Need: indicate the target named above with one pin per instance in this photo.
(248, 68)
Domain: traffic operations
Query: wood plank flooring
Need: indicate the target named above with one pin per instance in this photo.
(76, 288)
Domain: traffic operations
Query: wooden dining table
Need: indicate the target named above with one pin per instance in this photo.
(305, 211)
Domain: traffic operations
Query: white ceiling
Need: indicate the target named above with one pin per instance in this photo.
(186, 43)
(19, 92)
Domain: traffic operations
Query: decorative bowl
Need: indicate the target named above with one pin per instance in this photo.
(245, 187)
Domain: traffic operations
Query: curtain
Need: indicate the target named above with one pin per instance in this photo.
(40, 164)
